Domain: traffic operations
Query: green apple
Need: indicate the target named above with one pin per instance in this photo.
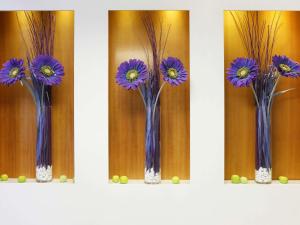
(123, 179)
(4, 177)
(175, 180)
(63, 179)
(283, 180)
(21, 179)
(244, 180)
(235, 179)
(115, 179)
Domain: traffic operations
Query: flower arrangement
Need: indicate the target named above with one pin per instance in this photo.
(261, 71)
(42, 72)
(134, 74)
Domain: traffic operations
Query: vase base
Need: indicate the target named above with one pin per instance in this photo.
(263, 176)
(151, 177)
(43, 174)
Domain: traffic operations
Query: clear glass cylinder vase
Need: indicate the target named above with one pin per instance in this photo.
(152, 145)
(263, 161)
(43, 144)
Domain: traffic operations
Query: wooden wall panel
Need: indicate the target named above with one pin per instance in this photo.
(126, 110)
(17, 110)
(240, 108)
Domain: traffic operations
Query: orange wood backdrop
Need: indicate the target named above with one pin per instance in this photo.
(240, 109)
(126, 110)
(17, 110)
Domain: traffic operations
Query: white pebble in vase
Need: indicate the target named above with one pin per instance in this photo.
(263, 175)
(44, 174)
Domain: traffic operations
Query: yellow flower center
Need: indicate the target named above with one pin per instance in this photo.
(285, 68)
(14, 72)
(132, 75)
(172, 73)
(47, 71)
(243, 72)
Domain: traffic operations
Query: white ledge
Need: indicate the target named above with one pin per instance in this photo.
(252, 182)
(137, 181)
(32, 180)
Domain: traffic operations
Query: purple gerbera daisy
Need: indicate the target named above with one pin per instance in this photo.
(47, 70)
(131, 74)
(285, 66)
(242, 72)
(13, 71)
(173, 71)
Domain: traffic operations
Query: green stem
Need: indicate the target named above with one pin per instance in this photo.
(29, 88)
(142, 97)
(156, 100)
(272, 93)
(254, 93)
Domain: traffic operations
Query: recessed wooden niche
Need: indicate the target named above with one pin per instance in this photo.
(126, 111)
(17, 110)
(240, 110)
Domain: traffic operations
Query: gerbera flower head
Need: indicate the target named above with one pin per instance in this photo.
(47, 70)
(242, 72)
(285, 66)
(13, 70)
(131, 74)
(173, 71)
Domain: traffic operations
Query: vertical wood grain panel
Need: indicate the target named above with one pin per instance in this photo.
(240, 109)
(126, 110)
(17, 110)
(63, 97)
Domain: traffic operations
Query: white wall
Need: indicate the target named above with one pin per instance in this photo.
(92, 201)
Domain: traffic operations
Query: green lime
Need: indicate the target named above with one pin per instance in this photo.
(175, 180)
(4, 177)
(115, 179)
(283, 180)
(63, 179)
(123, 180)
(21, 179)
(235, 179)
(244, 180)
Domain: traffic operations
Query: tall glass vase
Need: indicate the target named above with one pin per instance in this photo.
(263, 163)
(152, 144)
(43, 144)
